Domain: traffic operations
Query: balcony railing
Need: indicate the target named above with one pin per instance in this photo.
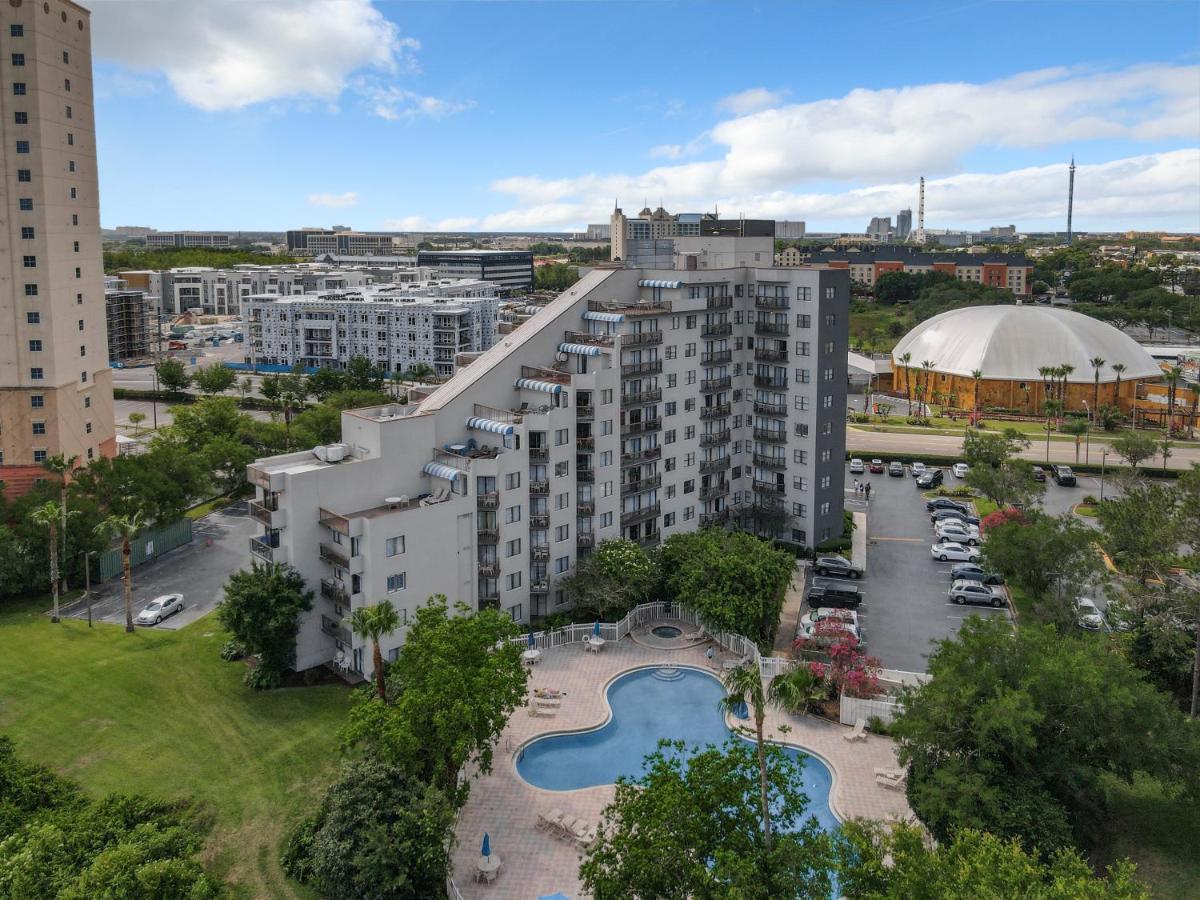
(539, 521)
(633, 459)
(716, 357)
(642, 397)
(539, 587)
(488, 535)
(585, 539)
(633, 370)
(540, 552)
(643, 427)
(770, 381)
(642, 339)
(719, 303)
(771, 435)
(712, 385)
(332, 589)
(770, 409)
(489, 598)
(262, 549)
(539, 454)
(585, 507)
(488, 501)
(587, 476)
(768, 487)
(712, 466)
(714, 491)
(261, 512)
(335, 630)
(765, 354)
(585, 444)
(585, 413)
(640, 515)
(716, 330)
(332, 520)
(770, 462)
(716, 411)
(334, 554)
(715, 438)
(767, 501)
(642, 484)
(539, 488)
(776, 328)
(650, 540)
(708, 520)
(771, 302)
(489, 570)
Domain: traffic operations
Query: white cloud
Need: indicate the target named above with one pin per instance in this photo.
(333, 201)
(229, 54)
(666, 151)
(388, 101)
(750, 101)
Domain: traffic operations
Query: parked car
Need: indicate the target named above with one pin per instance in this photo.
(876, 466)
(819, 615)
(929, 479)
(1039, 474)
(896, 469)
(1063, 476)
(973, 572)
(956, 531)
(828, 636)
(945, 503)
(965, 591)
(916, 469)
(1087, 615)
(836, 565)
(960, 470)
(160, 608)
(857, 467)
(950, 550)
(833, 592)
(944, 515)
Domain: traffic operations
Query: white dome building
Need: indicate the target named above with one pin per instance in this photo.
(1008, 344)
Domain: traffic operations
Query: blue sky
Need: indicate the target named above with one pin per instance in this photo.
(518, 116)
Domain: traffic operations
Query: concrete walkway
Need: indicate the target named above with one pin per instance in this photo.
(793, 603)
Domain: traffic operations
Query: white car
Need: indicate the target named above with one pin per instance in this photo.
(857, 466)
(960, 470)
(1088, 616)
(954, 530)
(828, 612)
(964, 591)
(917, 469)
(836, 632)
(160, 608)
(949, 550)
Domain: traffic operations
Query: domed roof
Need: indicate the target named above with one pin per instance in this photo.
(1013, 342)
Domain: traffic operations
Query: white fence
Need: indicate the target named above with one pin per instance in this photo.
(855, 708)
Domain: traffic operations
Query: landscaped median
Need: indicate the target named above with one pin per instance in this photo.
(1110, 470)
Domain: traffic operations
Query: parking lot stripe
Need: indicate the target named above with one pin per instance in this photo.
(902, 540)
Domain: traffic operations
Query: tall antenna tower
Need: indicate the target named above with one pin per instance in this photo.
(920, 235)
(1070, 198)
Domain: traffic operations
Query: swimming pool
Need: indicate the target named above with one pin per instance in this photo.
(647, 706)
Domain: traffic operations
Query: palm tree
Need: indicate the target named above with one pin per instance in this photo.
(372, 623)
(796, 690)
(905, 359)
(47, 515)
(1172, 377)
(1118, 368)
(421, 372)
(1096, 363)
(927, 368)
(126, 529)
(744, 686)
(1064, 372)
(977, 374)
(1045, 371)
(1192, 415)
(61, 465)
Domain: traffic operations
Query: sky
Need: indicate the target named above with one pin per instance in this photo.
(519, 116)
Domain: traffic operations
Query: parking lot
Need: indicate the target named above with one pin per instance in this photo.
(220, 546)
(906, 607)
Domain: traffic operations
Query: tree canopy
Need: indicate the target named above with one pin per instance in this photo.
(987, 448)
(261, 609)
(614, 578)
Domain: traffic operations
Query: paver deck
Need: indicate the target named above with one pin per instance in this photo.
(506, 806)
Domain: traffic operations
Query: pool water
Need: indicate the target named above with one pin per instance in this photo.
(645, 709)
(666, 631)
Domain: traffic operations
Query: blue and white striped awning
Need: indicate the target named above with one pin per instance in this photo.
(481, 424)
(593, 316)
(657, 283)
(532, 384)
(438, 470)
(533, 310)
(581, 349)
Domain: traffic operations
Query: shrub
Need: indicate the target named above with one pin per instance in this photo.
(1000, 517)
(878, 726)
(919, 421)
(860, 418)
(1090, 500)
(233, 649)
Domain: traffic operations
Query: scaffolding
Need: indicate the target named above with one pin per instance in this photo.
(132, 324)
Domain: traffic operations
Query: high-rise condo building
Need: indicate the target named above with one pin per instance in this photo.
(55, 384)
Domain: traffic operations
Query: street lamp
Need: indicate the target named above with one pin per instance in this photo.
(87, 574)
(1103, 459)
(1087, 435)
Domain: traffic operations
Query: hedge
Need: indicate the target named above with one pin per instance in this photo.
(947, 461)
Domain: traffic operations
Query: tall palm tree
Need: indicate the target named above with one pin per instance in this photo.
(1064, 372)
(126, 529)
(905, 359)
(796, 690)
(1192, 415)
(1096, 363)
(1172, 377)
(372, 623)
(976, 374)
(61, 465)
(744, 685)
(1118, 368)
(1045, 371)
(927, 368)
(48, 515)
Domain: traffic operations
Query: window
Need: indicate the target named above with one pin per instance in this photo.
(397, 582)
(606, 519)
(669, 351)
(88, 427)
(36, 374)
(33, 318)
(606, 489)
(66, 57)
(800, 456)
(19, 88)
(394, 546)
(24, 175)
(668, 520)
(37, 401)
(512, 581)
(803, 293)
(830, 293)
(561, 436)
(26, 204)
(824, 509)
(27, 232)
(689, 432)
(689, 486)
(87, 402)
(512, 514)
(83, 376)
(40, 455)
(39, 427)
(800, 484)
(16, 31)
(512, 548)
(689, 349)
(66, 84)
(562, 533)
(74, 218)
(35, 346)
(824, 481)
(21, 118)
(561, 469)
(68, 112)
(606, 395)
(74, 194)
(80, 324)
(78, 272)
(827, 374)
(31, 290)
(669, 464)
(827, 402)
(606, 458)
(562, 501)
(669, 436)
(689, 513)
(562, 564)
(512, 481)
(606, 427)
(70, 165)
(22, 146)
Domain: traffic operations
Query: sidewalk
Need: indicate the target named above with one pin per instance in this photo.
(789, 619)
(858, 541)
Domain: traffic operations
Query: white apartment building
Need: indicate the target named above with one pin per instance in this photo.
(223, 292)
(639, 403)
(160, 239)
(394, 326)
(55, 384)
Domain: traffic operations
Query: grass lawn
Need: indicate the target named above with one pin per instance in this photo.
(1158, 833)
(1084, 509)
(985, 507)
(159, 713)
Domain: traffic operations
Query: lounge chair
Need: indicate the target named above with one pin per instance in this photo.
(550, 821)
(548, 693)
(588, 838)
(566, 828)
(580, 830)
(547, 712)
(547, 702)
(859, 733)
(735, 663)
(896, 779)
(698, 636)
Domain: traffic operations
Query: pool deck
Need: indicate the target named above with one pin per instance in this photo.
(506, 807)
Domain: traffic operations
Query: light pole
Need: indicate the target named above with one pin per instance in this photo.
(1087, 434)
(1103, 460)
(87, 574)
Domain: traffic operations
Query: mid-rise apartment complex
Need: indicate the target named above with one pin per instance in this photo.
(638, 404)
(395, 326)
(160, 239)
(55, 384)
(512, 270)
(1008, 271)
(132, 320)
(223, 292)
(637, 239)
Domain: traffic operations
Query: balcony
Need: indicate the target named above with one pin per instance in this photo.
(778, 329)
(488, 501)
(262, 549)
(335, 555)
(539, 587)
(771, 381)
(586, 476)
(770, 409)
(709, 520)
(642, 484)
(642, 397)
(587, 337)
(334, 522)
(716, 330)
(716, 358)
(585, 413)
(635, 370)
(770, 462)
(540, 553)
(650, 540)
(767, 501)
(712, 385)
(644, 427)
(631, 310)
(642, 339)
(719, 303)
(585, 539)
(271, 517)
(489, 598)
(715, 438)
(539, 488)
(488, 535)
(489, 570)
(640, 515)
(712, 466)
(717, 411)
(539, 454)
(714, 491)
(633, 459)
(764, 354)
(769, 487)
(585, 507)
(334, 591)
(772, 302)
(335, 630)
(585, 444)
(771, 435)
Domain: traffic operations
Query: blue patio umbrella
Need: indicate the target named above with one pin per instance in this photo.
(487, 846)
(559, 896)
(531, 641)
(596, 629)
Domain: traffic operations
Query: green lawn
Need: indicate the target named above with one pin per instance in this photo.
(1158, 833)
(159, 713)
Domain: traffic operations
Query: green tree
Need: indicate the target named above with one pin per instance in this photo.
(136, 419)
(373, 623)
(162, 482)
(1160, 633)
(214, 379)
(1010, 484)
(245, 388)
(797, 690)
(1076, 426)
(421, 372)
(363, 375)
(700, 811)
(744, 687)
(380, 834)
(61, 466)
(1097, 363)
(1134, 447)
(986, 448)
(326, 381)
(613, 579)
(47, 516)
(227, 458)
(1139, 527)
(172, 376)
(554, 277)
(270, 388)
(895, 287)
(261, 609)
(1017, 732)
(124, 529)
(452, 688)
(734, 582)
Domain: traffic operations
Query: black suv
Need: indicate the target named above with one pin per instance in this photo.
(939, 515)
(831, 592)
(896, 469)
(972, 572)
(836, 565)
(944, 503)
(1063, 476)
(1039, 474)
(931, 478)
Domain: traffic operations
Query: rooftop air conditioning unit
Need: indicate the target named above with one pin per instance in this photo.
(335, 453)
(320, 453)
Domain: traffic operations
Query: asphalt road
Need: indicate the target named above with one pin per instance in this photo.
(199, 570)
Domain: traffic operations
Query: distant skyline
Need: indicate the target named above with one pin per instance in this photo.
(526, 116)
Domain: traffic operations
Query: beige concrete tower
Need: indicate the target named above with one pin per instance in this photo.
(55, 384)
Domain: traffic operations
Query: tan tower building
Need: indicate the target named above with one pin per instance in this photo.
(55, 384)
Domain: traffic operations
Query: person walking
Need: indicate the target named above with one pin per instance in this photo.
(867, 490)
